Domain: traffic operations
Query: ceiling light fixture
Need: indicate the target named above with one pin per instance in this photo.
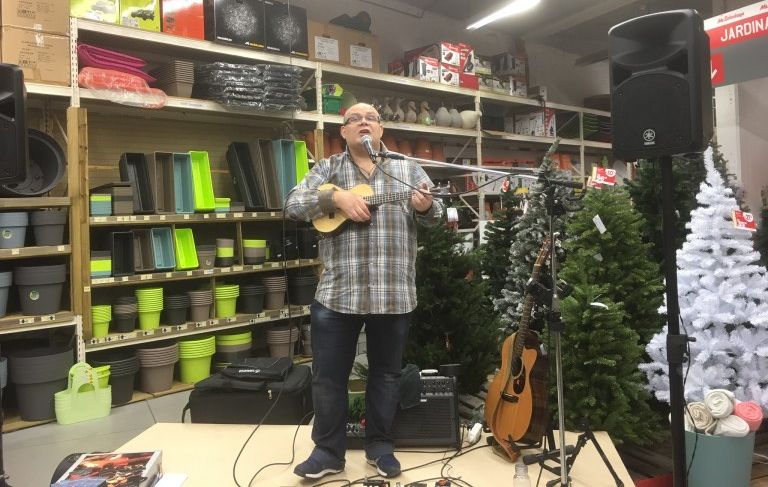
(513, 8)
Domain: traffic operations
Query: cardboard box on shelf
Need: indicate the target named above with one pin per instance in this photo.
(324, 43)
(467, 63)
(449, 74)
(510, 64)
(483, 65)
(143, 14)
(363, 49)
(424, 68)
(44, 58)
(445, 52)
(239, 22)
(101, 10)
(517, 86)
(286, 28)
(50, 16)
(492, 83)
(468, 81)
(184, 18)
(540, 123)
(539, 92)
(396, 67)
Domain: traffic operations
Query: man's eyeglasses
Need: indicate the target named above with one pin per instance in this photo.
(356, 118)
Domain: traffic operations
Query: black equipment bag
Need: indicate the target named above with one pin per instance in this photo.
(226, 400)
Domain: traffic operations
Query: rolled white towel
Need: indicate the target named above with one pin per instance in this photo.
(698, 418)
(719, 402)
(732, 426)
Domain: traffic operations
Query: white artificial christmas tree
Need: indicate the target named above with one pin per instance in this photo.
(723, 295)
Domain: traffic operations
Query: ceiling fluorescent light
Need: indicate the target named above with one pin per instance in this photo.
(513, 8)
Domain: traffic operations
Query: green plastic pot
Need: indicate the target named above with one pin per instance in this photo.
(100, 329)
(225, 308)
(195, 369)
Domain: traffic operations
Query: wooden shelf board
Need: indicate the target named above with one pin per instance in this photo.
(36, 202)
(412, 127)
(42, 251)
(48, 90)
(185, 218)
(17, 323)
(114, 340)
(13, 422)
(201, 273)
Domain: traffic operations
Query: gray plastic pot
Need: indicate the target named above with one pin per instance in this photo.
(6, 278)
(3, 372)
(13, 229)
(40, 288)
(48, 226)
(37, 375)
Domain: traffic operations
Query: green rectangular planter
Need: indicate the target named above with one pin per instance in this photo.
(186, 254)
(201, 177)
(302, 162)
(719, 461)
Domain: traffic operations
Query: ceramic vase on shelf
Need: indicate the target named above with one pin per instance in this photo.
(410, 114)
(469, 119)
(442, 117)
(455, 118)
(424, 118)
(398, 110)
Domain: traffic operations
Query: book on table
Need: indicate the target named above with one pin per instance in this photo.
(131, 469)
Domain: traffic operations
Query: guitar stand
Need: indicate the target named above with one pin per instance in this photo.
(571, 452)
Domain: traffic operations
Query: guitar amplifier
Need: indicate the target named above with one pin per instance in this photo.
(434, 422)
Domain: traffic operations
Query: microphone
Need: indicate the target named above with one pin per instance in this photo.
(367, 141)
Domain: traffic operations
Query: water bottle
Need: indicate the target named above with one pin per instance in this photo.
(521, 478)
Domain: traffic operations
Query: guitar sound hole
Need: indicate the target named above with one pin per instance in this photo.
(331, 216)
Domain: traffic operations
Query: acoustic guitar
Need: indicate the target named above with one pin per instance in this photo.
(330, 222)
(516, 403)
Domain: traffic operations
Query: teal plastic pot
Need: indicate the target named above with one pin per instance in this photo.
(719, 461)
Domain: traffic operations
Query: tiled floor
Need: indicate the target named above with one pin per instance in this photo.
(31, 455)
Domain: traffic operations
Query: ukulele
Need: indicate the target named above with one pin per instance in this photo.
(330, 222)
(516, 403)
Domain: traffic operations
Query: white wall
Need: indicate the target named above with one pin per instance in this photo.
(565, 82)
(399, 32)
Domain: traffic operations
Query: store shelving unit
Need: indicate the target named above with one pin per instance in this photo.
(98, 130)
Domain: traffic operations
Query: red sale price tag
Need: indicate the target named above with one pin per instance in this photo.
(602, 175)
(744, 221)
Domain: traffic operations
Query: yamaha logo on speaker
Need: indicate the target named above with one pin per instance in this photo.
(649, 137)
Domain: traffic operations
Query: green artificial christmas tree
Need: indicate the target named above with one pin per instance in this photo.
(454, 321)
(610, 316)
(530, 232)
(688, 174)
(602, 383)
(494, 254)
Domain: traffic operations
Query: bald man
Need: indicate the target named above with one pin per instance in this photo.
(368, 279)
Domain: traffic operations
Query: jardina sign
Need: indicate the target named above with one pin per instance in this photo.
(738, 43)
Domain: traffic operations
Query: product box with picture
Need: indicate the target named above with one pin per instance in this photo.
(285, 28)
(239, 22)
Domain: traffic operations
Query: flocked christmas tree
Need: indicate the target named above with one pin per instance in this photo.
(529, 232)
(617, 293)
(722, 291)
(494, 254)
(687, 174)
(454, 321)
(761, 238)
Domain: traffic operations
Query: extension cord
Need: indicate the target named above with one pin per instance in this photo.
(474, 433)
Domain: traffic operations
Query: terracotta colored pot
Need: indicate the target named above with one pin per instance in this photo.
(390, 142)
(405, 147)
(337, 145)
(423, 146)
(437, 152)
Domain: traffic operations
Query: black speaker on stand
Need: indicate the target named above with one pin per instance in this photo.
(13, 124)
(661, 105)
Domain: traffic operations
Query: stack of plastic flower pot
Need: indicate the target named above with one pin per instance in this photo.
(101, 204)
(306, 339)
(40, 288)
(276, 286)
(175, 309)
(281, 340)
(150, 306)
(48, 226)
(124, 310)
(254, 251)
(195, 359)
(226, 300)
(13, 229)
(123, 365)
(206, 256)
(157, 367)
(101, 315)
(200, 304)
(232, 348)
(38, 374)
(252, 298)
(301, 289)
(225, 252)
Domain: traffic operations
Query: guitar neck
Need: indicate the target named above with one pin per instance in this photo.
(379, 199)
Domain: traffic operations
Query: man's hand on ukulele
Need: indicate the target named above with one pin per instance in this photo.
(421, 202)
(354, 206)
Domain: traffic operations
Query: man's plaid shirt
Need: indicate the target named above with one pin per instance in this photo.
(368, 267)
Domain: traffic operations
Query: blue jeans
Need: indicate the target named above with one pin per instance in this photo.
(334, 344)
